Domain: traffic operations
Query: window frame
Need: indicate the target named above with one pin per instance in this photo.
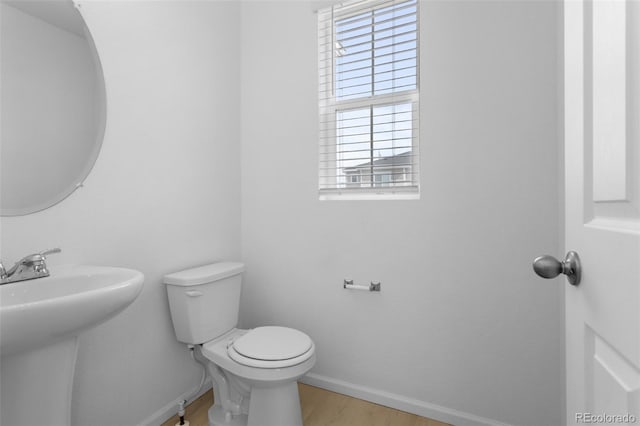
(330, 105)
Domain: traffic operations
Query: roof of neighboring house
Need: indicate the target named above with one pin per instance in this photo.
(394, 160)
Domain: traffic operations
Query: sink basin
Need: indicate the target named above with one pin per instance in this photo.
(38, 312)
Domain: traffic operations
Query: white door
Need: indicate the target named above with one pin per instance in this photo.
(602, 209)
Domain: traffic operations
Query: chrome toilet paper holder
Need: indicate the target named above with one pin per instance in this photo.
(373, 286)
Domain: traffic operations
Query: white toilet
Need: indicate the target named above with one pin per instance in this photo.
(254, 372)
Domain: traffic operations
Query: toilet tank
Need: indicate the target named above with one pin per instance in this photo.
(204, 301)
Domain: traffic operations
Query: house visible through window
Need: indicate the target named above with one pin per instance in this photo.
(368, 95)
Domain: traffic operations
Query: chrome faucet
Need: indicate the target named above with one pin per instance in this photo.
(27, 268)
(3, 272)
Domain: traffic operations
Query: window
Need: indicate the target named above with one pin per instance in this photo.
(368, 99)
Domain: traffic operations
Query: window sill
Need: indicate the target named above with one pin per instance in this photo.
(330, 195)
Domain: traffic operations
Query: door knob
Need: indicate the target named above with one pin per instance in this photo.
(550, 267)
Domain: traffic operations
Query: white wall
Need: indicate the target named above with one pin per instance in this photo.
(163, 196)
(461, 322)
(462, 329)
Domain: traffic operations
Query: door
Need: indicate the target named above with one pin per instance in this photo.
(602, 209)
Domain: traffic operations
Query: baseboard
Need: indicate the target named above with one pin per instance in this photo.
(171, 409)
(377, 396)
(399, 402)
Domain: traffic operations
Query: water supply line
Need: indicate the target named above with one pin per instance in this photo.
(181, 413)
(200, 360)
(190, 398)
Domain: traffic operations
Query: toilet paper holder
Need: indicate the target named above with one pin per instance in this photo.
(373, 286)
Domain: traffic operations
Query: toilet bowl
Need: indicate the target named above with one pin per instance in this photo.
(254, 371)
(268, 385)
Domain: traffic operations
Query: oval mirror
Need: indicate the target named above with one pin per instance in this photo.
(52, 104)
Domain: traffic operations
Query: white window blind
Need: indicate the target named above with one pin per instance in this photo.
(368, 98)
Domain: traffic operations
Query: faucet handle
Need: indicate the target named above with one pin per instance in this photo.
(50, 251)
(37, 261)
(36, 258)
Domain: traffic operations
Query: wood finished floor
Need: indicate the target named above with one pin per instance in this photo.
(323, 408)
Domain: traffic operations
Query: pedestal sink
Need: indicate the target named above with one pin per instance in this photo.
(39, 325)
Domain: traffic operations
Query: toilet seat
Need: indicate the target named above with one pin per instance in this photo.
(271, 347)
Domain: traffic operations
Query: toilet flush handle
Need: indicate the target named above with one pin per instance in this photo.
(193, 293)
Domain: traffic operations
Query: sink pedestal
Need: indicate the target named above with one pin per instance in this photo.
(40, 321)
(37, 385)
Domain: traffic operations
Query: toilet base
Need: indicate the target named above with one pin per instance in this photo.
(275, 406)
(217, 417)
(268, 406)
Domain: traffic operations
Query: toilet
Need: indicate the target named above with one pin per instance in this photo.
(254, 372)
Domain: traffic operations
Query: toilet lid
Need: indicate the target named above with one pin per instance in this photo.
(272, 343)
